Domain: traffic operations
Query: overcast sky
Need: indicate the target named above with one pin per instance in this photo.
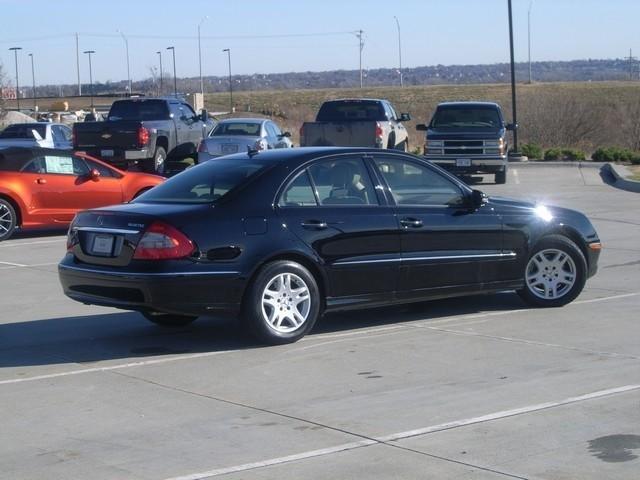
(433, 32)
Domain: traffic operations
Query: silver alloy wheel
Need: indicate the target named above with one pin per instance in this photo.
(286, 302)
(550, 274)
(159, 164)
(6, 220)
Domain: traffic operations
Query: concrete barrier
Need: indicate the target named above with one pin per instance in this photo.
(620, 174)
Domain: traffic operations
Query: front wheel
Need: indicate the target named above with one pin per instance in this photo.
(168, 319)
(501, 176)
(8, 220)
(555, 273)
(282, 303)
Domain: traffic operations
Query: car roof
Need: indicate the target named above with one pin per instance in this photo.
(357, 100)
(469, 104)
(244, 120)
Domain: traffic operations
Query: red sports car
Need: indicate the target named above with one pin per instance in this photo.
(44, 188)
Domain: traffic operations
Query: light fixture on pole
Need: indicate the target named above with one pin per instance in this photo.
(513, 84)
(175, 79)
(89, 53)
(399, 51)
(33, 78)
(126, 46)
(160, 57)
(200, 56)
(228, 50)
(15, 52)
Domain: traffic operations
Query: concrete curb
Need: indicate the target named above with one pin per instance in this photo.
(620, 174)
(534, 163)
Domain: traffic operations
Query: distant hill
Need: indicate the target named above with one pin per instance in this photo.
(568, 71)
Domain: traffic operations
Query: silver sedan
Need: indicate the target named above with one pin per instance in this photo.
(239, 134)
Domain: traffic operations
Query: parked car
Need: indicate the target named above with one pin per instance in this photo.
(284, 235)
(38, 134)
(144, 133)
(44, 188)
(235, 135)
(467, 138)
(357, 122)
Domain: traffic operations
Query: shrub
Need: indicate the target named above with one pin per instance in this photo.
(553, 154)
(616, 154)
(564, 154)
(532, 151)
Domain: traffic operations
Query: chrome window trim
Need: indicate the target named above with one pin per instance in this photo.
(121, 231)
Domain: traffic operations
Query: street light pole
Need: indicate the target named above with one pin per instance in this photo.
(15, 52)
(126, 46)
(33, 77)
(160, 57)
(175, 79)
(513, 81)
(399, 51)
(89, 52)
(529, 36)
(228, 50)
(200, 56)
(361, 46)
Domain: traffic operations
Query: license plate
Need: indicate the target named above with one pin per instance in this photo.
(229, 148)
(102, 244)
(106, 153)
(463, 162)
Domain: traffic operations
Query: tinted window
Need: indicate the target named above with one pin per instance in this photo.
(205, 183)
(271, 130)
(352, 110)
(139, 110)
(466, 117)
(24, 131)
(104, 171)
(237, 128)
(57, 164)
(343, 182)
(37, 165)
(188, 111)
(299, 193)
(415, 184)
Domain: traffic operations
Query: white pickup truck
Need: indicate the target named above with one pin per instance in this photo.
(357, 122)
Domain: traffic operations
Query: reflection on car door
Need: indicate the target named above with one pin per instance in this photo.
(445, 243)
(333, 207)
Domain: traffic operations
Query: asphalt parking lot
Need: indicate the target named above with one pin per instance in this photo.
(473, 388)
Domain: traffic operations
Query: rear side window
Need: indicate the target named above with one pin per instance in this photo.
(24, 131)
(206, 183)
(139, 110)
(351, 111)
(299, 193)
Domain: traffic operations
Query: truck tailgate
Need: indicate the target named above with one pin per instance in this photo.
(121, 134)
(347, 134)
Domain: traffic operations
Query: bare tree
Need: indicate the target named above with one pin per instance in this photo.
(2, 85)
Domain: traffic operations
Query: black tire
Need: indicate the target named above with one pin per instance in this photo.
(158, 163)
(255, 315)
(501, 176)
(562, 244)
(8, 220)
(169, 320)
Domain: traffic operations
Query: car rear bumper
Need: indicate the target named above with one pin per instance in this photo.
(184, 292)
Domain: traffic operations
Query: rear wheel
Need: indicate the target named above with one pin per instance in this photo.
(501, 176)
(282, 304)
(555, 273)
(158, 162)
(8, 220)
(168, 319)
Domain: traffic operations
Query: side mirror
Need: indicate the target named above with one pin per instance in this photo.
(94, 175)
(477, 198)
(511, 126)
(405, 117)
(422, 127)
(285, 135)
(204, 116)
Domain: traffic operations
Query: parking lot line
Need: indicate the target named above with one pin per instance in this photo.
(11, 264)
(37, 242)
(394, 437)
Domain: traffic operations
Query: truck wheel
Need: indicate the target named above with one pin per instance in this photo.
(501, 176)
(157, 163)
(7, 220)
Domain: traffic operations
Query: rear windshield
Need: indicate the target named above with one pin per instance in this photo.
(24, 131)
(206, 183)
(466, 117)
(351, 111)
(139, 110)
(236, 128)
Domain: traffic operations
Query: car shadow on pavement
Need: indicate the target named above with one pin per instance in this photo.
(84, 340)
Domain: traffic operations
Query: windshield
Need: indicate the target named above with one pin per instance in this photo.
(466, 117)
(206, 183)
(237, 128)
(351, 111)
(24, 131)
(139, 110)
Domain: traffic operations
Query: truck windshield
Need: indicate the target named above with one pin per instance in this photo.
(139, 110)
(24, 131)
(466, 117)
(351, 111)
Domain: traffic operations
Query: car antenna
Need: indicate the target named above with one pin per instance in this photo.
(252, 151)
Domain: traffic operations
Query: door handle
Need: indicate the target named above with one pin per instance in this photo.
(314, 225)
(41, 181)
(411, 223)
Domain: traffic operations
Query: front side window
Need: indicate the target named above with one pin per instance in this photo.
(415, 184)
(63, 165)
(343, 181)
(299, 193)
(104, 171)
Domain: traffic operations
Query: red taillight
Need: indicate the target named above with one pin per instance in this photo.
(143, 136)
(163, 242)
(202, 148)
(379, 131)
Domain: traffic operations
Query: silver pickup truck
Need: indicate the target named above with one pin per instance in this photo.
(358, 122)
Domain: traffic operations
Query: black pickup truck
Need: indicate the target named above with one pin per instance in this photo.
(144, 133)
(467, 138)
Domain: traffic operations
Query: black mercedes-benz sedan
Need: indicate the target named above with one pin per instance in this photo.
(280, 237)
